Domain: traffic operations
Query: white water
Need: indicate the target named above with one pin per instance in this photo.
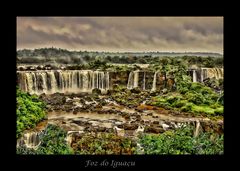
(64, 81)
(194, 76)
(30, 140)
(211, 72)
(133, 79)
(154, 81)
(144, 81)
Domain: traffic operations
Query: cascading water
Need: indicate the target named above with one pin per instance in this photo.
(194, 76)
(133, 79)
(211, 72)
(154, 81)
(30, 140)
(136, 77)
(144, 81)
(64, 81)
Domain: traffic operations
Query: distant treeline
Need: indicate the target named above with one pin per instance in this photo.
(62, 56)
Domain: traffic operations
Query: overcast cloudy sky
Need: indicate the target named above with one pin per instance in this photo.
(179, 34)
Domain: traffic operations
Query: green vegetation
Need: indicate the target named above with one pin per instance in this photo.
(63, 56)
(126, 97)
(52, 142)
(198, 100)
(30, 111)
(104, 143)
(181, 141)
(190, 97)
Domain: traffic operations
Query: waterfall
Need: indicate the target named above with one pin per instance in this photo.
(154, 81)
(136, 77)
(64, 81)
(211, 72)
(130, 81)
(144, 81)
(194, 76)
(133, 79)
(30, 140)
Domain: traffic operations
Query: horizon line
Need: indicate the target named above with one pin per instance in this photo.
(72, 50)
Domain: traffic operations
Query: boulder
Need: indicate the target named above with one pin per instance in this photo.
(156, 122)
(96, 91)
(130, 126)
(151, 129)
(101, 129)
(136, 90)
(164, 91)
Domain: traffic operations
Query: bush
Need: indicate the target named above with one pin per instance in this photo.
(181, 141)
(104, 143)
(30, 110)
(179, 103)
(194, 97)
(187, 107)
(219, 111)
(53, 141)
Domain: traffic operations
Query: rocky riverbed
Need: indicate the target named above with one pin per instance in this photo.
(99, 113)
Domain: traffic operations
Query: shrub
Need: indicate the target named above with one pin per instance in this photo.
(53, 141)
(187, 107)
(194, 97)
(104, 143)
(30, 110)
(181, 141)
(219, 111)
(179, 103)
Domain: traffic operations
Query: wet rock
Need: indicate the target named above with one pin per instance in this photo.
(101, 111)
(156, 130)
(109, 92)
(110, 130)
(68, 110)
(88, 98)
(138, 119)
(147, 122)
(139, 110)
(164, 91)
(130, 126)
(136, 90)
(120, 126)
(101, 129)
(154, 93)
(98, 106)
(96, 91)
(126, 117)
(133, 122)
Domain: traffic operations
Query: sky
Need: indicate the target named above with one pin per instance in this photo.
(121, 34)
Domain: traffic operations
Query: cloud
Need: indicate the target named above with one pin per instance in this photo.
(122, 33)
